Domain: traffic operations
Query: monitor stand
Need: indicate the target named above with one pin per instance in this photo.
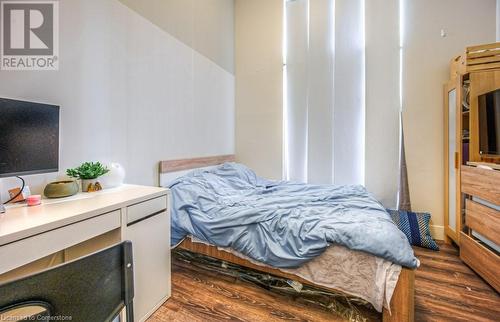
(2, 208)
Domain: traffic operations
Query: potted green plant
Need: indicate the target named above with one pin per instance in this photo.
(88, 172)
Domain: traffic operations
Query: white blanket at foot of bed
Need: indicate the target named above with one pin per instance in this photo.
(353, 272)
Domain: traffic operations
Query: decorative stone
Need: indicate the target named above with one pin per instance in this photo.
(60, 189)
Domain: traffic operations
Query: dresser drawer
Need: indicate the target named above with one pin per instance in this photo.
(483, 219)
(29, 249)
(146, 209)
(481, 183)
(482, 260)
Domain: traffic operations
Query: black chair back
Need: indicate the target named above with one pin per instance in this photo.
(92, 288)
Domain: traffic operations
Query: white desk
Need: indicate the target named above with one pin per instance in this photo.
(87, 222)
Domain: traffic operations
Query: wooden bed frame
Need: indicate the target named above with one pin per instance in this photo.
(402, 302)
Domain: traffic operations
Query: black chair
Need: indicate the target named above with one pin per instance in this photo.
(94, 288)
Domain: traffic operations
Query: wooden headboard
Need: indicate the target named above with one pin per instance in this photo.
(194, 163)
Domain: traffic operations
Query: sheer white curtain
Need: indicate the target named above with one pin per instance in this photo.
(321, 70)
(325, 91)
(342, 94)
(309, 77)
(297, 93)
(383, 104)
(349, 105)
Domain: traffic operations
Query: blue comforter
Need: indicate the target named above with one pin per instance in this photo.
(283, 224)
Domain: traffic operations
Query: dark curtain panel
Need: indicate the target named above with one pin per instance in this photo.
(404, 190)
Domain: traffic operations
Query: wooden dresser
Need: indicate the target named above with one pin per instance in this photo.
(480, 238)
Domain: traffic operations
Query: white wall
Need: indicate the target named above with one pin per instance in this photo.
(425, 70)
(259, 83)
(129, 92)
(206, 26)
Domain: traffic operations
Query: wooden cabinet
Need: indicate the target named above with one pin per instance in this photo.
(472, 74)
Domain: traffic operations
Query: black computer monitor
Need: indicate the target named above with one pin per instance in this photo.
(29, 138)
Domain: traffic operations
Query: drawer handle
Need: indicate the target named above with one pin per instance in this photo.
(146, 217)
(456, 160)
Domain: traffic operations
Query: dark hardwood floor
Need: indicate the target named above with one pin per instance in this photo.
(446, 290)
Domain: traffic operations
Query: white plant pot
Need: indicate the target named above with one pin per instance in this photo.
(86, 183)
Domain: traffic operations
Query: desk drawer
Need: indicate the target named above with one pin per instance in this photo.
(145, 209)
(29, 249)
(483, 219)
(481, 183)
(482, 260)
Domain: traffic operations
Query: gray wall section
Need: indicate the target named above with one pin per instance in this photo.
(127, 89)
(206, 26)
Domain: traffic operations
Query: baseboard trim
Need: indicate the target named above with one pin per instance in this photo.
(437, 232)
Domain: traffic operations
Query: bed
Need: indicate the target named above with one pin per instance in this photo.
(401, 302)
